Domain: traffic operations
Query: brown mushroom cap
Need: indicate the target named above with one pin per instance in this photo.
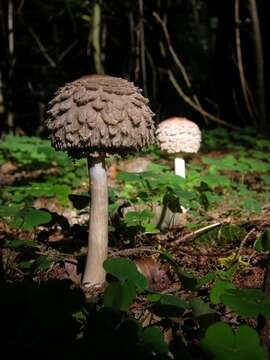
(99, 114)
(178, 135)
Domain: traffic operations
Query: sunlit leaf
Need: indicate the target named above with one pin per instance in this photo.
(224, 344)
(219, 288)
(120, 295)
(246, 302)
(126, 270)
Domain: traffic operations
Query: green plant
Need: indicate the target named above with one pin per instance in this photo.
(223, 343)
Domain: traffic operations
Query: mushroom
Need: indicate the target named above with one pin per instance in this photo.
(92, 117)
(181, 137)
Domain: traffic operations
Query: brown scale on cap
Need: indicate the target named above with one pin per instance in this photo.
(100, 114)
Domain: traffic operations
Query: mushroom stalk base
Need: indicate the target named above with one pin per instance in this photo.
(94, 273)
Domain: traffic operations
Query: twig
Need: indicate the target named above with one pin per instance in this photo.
(243, 242)
(142, 47)
(195, 106)
(67, 50)
(177, 60)
(41, 47)
(129, 252)
(197, 232)
(154, 74)
(192, 253)
(243, 80)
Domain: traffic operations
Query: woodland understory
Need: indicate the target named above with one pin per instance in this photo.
(211, 269)
(193, 283)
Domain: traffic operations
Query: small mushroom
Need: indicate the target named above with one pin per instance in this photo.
(92, 117)
(181, 137)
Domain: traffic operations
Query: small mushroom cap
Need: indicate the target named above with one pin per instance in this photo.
(99, 114)
(178, 135)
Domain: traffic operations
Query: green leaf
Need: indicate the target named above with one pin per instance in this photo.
(140, 218)
(252, 205)
(266, 179)
(247, 302)
(229, 273)
(167, 305)
(219, 288)
(263, 243)
(120, 295)
(172, 202)
(152, 338)
(128, 176)
(263, 143)
(146, 215)
(150, 229)
(189, 281)
(172, 300)
(43, 264)
(79, 315)
(200, 308)
(153, 298)
(25, 265)
(126, 270)
(215, 180)
(203, 313)
(7, 211)
(205, 279)
(29, 218)
(224, 344)
(18, 243)
(157, 168)
(227, 163)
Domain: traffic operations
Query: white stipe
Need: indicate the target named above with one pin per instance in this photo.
(180, 170)
(180, 167)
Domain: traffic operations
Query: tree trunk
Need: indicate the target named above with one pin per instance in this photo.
(263, 126)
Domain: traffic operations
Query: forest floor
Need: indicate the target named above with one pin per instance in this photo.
(225, 233)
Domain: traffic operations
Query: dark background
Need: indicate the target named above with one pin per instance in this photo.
(53, 45)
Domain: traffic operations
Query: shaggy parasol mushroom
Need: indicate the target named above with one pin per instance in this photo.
(181, 137)
(92, 117)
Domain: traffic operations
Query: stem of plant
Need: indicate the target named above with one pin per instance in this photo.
(94, 273)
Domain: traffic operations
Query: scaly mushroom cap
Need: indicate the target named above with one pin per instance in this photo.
(178, 135)
(99, 114)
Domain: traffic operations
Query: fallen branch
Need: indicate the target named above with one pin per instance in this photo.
(190, 236)
(243, 242)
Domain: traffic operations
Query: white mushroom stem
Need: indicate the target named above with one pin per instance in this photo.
(180, 167)
(94, 273)
(180, 170)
